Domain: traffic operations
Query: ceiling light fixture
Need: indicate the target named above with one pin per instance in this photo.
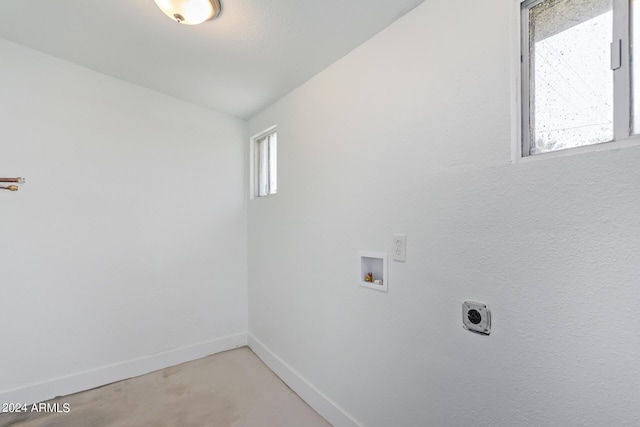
(190, 12)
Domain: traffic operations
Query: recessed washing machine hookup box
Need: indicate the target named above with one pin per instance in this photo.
(372, 270)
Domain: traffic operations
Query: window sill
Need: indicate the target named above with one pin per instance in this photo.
(632, 141)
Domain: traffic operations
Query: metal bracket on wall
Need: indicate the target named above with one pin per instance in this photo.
(18, 180)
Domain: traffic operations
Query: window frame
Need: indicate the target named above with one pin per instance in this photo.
(258, 173)
(622, 85)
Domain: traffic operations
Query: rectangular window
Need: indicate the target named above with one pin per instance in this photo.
(576, 85)
(265, 149)
(635, 43)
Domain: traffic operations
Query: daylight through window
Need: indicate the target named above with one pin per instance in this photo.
(266, 163)
(576, 82)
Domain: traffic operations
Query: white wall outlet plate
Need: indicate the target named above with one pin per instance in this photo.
(476, 317)
(400, 247)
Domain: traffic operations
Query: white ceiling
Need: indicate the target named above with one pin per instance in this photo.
(255, 52)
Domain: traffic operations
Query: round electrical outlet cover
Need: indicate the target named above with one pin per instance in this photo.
(476, 317)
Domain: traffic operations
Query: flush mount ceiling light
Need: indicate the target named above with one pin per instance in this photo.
(190, 12)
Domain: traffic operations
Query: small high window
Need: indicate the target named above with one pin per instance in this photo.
(265, 163)
(576, 78)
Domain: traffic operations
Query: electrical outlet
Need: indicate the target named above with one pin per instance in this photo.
(400, 247)
(476, 317)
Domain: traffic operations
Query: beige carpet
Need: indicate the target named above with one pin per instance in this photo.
(233, 388)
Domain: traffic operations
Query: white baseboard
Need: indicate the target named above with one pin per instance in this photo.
(87, 380)
(303, 388)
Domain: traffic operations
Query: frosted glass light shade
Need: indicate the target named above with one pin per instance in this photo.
(190, 12)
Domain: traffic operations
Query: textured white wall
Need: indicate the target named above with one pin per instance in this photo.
(128, 239)
(412, 133)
